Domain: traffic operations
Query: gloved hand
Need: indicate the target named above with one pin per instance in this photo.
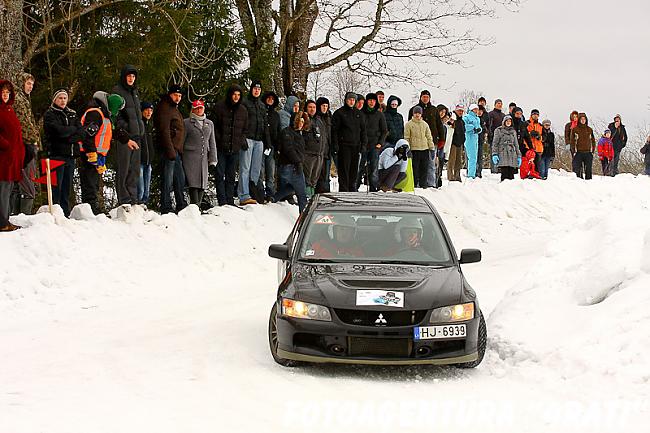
(92, 157)
(244, 145)
(477, 130)
(212, 168)
(519, 162)
(495, 159)
(267, 151)
(101, 169)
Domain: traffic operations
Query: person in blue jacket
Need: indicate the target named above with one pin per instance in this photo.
(472, 131)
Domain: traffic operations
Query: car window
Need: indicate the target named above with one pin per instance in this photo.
(373, 237)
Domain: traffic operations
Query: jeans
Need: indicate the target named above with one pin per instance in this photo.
(582, 162)
(545, 164)
(267, 182)
(225, 177)
(250, 165)
(292, 179)
(605, 163)
(368, 165)
(64, 176)
(144, 183)
(173, 177)
(613, 169)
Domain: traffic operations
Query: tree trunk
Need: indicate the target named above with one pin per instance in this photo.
(295, 55)
(11, 25)
(257, 23)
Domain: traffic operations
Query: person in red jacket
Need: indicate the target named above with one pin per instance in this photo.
(12, 152)
(606, 152)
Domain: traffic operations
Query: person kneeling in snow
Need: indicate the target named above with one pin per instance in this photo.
(527, 169)
(606, 151)
(98, 126)
(393, 163)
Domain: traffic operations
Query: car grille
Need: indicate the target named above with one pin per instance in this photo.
(397, 347)
(371, 318)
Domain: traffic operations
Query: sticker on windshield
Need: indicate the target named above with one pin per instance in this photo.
(380, 297)
(309, 253)
(324, 219)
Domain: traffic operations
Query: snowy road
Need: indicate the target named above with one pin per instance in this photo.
(169, 335)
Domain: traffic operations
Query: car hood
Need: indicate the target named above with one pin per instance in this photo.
(336, 285)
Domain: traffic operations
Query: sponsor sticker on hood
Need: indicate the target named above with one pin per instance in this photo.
(380, 297)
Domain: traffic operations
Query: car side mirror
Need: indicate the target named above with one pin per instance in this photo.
(470, 256)
(279, 251)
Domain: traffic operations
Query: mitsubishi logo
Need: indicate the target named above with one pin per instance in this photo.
(380, 320)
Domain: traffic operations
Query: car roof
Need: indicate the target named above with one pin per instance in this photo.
(376, 201)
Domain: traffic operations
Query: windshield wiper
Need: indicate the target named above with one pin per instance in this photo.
(318, 260)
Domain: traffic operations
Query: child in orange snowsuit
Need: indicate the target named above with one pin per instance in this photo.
(527, 169)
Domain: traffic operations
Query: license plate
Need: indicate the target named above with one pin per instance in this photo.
(439, 332)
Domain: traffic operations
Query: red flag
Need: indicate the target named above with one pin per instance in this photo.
(53, 165)
(43, 179)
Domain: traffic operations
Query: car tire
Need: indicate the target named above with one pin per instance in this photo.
(482, 344)
(273, 339)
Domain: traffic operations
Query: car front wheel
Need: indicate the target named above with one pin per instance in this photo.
(273, 339)
(482, 344)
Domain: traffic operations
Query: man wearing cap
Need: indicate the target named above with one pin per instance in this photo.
(472, 131)
(495, 120)
(348, 135)
(127, 155)
(429, 114)
(455, 160)
(376, 132)
(535, 130)
(170, 132)
(257, 140)
(62, 132)
(146, 153)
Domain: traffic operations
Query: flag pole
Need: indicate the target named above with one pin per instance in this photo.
(49, 184)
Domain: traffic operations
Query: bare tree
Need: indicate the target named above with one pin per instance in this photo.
(396, 39)
(468, 97)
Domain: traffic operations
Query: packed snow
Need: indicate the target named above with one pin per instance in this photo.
(157, 323)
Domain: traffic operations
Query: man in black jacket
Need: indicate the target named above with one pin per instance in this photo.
(619, 139)
(267, 181)
(325, 116)
(128, 155)
(147, 154)
(348, 135)
(376, 132)
(455, 160)
(230, 130)
(429, 114)
(251, 153)
(291, 156)
(521, 128)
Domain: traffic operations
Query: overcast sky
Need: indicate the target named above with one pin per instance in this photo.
(560, 55)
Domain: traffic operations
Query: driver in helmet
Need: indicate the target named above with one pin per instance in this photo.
(408, 234)
(341, 240)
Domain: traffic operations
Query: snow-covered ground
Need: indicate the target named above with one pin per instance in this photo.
(154, 323)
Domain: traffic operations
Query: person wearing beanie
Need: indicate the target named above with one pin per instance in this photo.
(324, 115)
(314, 149)
(267, 180)
(127, 156)
(535, 130)
(12, 153)
(394, 121)
(582, 146)
(231, 130)
(429, 114)
(606, 151)
(252, 153)
(348, 135)
(360, 102)
(376, 132)
(99, 131)
(455, 160)
(62, 131)
(521, 128)
(548, 140)
(170, 131)
(199, 151)
(418, 134)
(147, 153)
(506, 155)
(472, 131)
(619, 138)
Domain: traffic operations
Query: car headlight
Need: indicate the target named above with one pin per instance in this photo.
(453, 313)
(303, 310)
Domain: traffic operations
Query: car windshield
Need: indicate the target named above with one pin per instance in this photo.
(375, 237)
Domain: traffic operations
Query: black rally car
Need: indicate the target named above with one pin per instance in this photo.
(374, 279)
